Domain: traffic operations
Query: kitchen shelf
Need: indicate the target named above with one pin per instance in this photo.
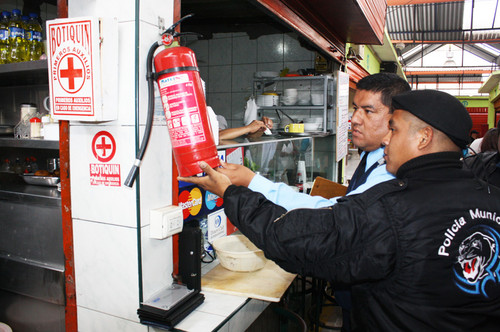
(24, 73)
(293, 107)
(324, 84)
(29, 143)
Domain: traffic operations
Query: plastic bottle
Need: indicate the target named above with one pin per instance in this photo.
(34, 40)
(16, 37)
(4, 38)
(27, 37)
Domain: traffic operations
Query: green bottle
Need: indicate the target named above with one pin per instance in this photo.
(4, 38)
(34, 40)
(16, 37)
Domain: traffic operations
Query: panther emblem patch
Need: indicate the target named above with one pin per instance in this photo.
(478, 261)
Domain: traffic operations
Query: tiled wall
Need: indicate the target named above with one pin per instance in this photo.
(228, 62)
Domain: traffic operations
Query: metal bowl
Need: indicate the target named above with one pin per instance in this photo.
(50, 181)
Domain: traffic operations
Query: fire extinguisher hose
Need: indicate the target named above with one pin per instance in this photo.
(134, 171)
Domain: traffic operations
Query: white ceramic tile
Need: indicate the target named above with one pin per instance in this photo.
(157, 263)
(238, 106)
(107, 204)
(222, 35)
(296, 65)
(126, 73)
(220, 103)
(220, 304)
(200, 322)
(106, 274)
(293, 51)
(242, 77)
(148, 35)
(200, 49)
(123, 10)
(90, 321)
(149, 10)
(156, 172)
(219, 79)
(270, 66)
(270, 48)
(244, 50)
(219, 51)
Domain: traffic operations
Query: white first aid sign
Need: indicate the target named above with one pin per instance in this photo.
(77, 75)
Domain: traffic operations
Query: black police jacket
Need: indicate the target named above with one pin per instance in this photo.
(420, 251)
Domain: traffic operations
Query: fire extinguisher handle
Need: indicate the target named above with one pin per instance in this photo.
(178, 34)
(171, 29)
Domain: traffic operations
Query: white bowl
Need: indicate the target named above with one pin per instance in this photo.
(312, 126)
(317, 99)
(237, 253)
(288, 100)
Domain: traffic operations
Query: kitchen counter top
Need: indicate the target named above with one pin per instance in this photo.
(235, 309)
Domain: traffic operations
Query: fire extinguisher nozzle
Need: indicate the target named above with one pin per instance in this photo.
(129, 182)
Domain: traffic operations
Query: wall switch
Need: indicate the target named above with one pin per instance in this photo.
(165, 221)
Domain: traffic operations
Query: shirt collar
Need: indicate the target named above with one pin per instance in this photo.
(373, 156)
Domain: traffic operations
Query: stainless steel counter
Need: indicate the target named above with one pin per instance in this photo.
(31, 256)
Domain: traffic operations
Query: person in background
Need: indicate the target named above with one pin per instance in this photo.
(372, 103)
(474, 134)
(420, 251)
(255, 129)
(486, 164)
(490, 141)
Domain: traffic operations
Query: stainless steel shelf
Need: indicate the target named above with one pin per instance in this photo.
(24, 73)
(29, 143)
(294, 107)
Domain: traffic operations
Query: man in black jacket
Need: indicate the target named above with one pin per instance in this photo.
(420, 251)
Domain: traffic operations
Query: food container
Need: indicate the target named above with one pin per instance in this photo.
(237, 253)
(50, 181)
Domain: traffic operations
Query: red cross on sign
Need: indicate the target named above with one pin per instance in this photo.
(70, 73)
(103, 146)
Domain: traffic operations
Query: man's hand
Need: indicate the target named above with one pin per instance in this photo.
(214, 182)
(237, 174)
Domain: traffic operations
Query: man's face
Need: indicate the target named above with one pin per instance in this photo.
(369, 120)
(401, 141)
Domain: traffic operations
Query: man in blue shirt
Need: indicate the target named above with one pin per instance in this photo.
(369, 122)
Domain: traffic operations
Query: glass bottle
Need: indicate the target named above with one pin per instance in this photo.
(4, 38)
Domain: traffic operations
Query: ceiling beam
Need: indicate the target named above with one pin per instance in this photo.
(418, 55)
(479, 52)
(416, 2)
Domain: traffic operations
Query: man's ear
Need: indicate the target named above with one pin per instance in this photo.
(426, 135)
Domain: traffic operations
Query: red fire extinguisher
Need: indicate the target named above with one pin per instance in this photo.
(183, 99)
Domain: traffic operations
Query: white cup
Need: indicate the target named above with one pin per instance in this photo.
(46, 103)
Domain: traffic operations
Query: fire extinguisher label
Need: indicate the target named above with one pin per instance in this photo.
(181, 110)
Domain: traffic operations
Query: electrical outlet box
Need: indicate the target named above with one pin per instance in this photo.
(165, 221)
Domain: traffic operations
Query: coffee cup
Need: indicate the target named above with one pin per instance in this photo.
(294, 128)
